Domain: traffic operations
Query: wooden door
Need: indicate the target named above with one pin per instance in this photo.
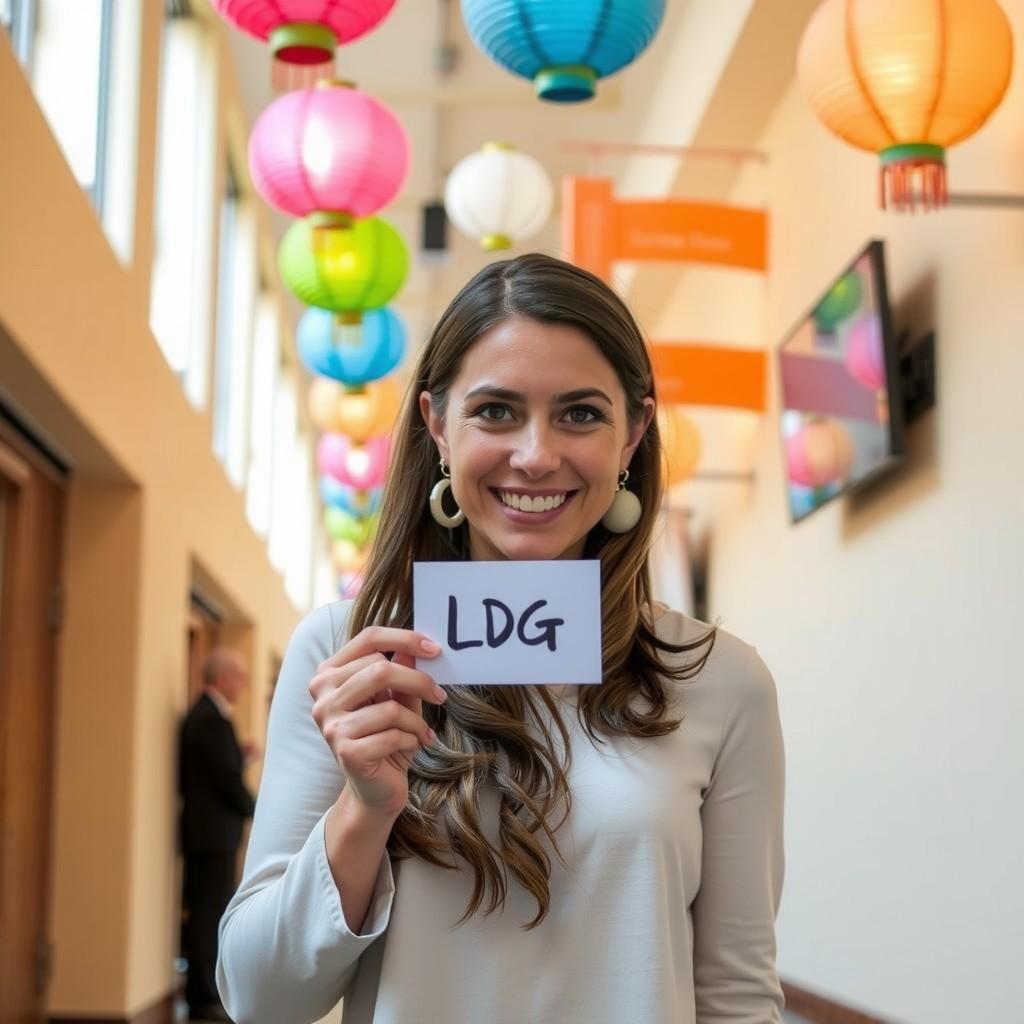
(31, 506)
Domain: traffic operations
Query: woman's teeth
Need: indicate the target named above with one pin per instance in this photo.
(524, 503)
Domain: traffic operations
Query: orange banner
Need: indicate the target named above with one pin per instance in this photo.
(687, 374)
(598, 229)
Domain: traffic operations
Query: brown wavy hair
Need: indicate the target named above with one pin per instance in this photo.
(484, 735)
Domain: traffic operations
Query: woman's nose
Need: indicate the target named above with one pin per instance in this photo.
(535, 452)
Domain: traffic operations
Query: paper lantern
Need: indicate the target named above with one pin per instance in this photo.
(349, 585)
(680, 444)
(865, 353)
(563, 46)
(303, 33)
(363, 467)
(346, 270)
(906, 80)
(498, 196)
(360, 414)
(348, 499)
(348, 558)
(341, 525)
(350, 353)
(819, 453)
(332, 151)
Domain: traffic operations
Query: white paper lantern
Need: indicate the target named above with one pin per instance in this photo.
(498, 195)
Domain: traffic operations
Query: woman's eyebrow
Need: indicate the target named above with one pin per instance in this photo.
(517, 396)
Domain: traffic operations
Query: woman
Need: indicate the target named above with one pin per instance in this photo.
(519, 854)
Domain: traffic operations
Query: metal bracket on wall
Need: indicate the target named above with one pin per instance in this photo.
(991, 200)
(917, 375)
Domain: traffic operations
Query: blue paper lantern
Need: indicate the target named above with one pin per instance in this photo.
(563, 46)
(335, 494)
(350, 353)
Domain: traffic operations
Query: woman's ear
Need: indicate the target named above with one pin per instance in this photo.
(434, 423)
(636, 432)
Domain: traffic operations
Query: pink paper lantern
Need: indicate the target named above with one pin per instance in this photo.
(865, 355)
(819, 453)
(363, 467)
(331, 150)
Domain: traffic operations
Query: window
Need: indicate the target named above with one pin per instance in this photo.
(72, 44)
(95, 44)
(18, 18)
(236, 295)
(293, 504)
(285, 418)
(266, 357)
(298, 575)
(182, 264)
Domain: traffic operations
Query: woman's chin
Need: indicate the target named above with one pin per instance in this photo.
(520, 548)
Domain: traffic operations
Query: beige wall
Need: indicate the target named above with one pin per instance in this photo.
(891, 622)
(149, 509)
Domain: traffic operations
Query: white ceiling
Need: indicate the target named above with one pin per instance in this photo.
(659, 100)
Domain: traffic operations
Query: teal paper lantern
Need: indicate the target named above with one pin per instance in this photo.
(353, 354)
(563, 46)
(356, 503)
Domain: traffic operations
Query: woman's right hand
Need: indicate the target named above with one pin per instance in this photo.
(370, 711)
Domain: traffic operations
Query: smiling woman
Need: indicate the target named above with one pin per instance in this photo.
(615, 853)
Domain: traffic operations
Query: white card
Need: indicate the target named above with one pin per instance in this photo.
(510, 622)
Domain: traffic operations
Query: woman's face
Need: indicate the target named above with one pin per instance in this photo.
(535, 434)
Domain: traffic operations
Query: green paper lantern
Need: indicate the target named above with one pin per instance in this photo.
(344, 268)
(342, 525)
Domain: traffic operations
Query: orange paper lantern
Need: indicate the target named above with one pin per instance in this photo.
(359, 413)
(906, 80)
(680, 444)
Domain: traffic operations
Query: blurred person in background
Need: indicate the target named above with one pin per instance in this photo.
(215, 806)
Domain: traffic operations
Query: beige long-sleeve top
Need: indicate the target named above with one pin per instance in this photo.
(666, 914)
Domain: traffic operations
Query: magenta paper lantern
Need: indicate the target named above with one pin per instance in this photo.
(819, 453)
(362, 466)
(303, 34)
(331, 150)
(865, 354)
(283, 23)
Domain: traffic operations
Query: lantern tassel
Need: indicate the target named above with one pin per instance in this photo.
(911, 174)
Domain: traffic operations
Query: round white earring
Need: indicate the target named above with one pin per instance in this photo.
(624, 512)
(437, 501)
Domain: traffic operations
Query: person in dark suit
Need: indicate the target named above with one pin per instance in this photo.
(215, 806)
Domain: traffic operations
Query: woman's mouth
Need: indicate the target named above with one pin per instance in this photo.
(534, 507)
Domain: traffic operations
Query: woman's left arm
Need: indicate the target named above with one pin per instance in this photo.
(735, 978)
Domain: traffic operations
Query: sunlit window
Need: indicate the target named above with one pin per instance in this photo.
(72, 44)
(298, 575)
(266, 355)
(236, 296)
(285, 424)
(183, 257)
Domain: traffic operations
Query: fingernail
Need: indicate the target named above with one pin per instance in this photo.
(430, 647)
(440, 694)
(431, 736)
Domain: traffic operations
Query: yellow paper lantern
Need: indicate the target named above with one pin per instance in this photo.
(359, 414)
(906, 79)
(680, 444)
(348, 557)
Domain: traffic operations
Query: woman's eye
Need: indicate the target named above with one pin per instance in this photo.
(584, 414)
(494, 413)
